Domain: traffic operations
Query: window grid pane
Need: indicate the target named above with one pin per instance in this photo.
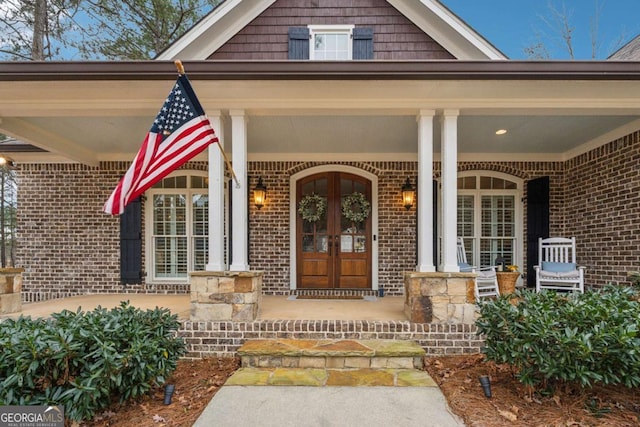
(331, 46)
(175, 243)
(497, 229)
(200, 230)
(465, 224)
(171, 257)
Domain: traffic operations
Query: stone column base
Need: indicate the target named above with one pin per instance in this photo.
(10, 287)
(440, 297)
(225, 295)
(10, 303)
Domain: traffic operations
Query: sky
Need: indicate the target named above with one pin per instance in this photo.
(512, 25)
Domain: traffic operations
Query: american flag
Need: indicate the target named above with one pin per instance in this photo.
(180, 131)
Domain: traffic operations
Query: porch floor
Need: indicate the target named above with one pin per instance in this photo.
(272, 307)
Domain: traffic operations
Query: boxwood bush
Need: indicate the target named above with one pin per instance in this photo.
(84, 360)
(553, 339)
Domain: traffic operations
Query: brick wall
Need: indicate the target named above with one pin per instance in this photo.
(603, 209)
(395, 37)
(206, 339)
(269, 227)
(67, 246)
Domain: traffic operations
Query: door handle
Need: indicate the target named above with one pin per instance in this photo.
(330, 244)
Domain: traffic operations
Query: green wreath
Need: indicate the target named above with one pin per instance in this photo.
(312, 207)
(356, 207)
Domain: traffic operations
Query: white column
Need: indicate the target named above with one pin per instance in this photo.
(239, 194)
(216, 198)
(449, 190)
(425, 191)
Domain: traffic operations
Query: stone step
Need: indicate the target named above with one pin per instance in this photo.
(330, 377)
(332, 354)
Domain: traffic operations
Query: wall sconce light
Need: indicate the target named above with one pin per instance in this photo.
(259, 194)
(6, 161)
(408, 194)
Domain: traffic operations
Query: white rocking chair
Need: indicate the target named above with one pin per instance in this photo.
(486, 282)
(558, 269)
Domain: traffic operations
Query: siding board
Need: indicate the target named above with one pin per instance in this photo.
(395, 37)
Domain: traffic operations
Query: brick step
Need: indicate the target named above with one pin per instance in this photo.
(330, 377)
(332, 354)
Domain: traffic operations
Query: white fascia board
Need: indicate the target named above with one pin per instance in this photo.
(215, 30)
(447, 29)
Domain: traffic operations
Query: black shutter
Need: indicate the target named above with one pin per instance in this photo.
(131, 243)
(537, 222)
(298, 43)
(362, 43)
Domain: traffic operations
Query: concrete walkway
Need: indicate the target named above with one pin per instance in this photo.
(340, 382)
(283, 406)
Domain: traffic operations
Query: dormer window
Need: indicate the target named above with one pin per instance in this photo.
(330, 43)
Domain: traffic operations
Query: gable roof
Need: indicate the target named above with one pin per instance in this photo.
(431, 16)
(628, 52)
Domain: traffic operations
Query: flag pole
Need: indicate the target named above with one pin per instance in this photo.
(180, 68)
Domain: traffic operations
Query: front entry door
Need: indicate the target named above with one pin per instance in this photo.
(333, 231)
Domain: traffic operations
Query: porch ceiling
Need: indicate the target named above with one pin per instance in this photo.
(373, 137)
(292, 118)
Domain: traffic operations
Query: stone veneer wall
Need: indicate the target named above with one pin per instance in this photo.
(210, 339)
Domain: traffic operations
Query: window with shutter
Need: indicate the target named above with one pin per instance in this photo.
(177, 227)
(330, 43)
(489, 217)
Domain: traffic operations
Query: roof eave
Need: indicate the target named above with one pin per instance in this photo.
(316, 70)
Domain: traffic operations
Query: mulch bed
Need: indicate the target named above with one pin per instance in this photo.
(196, 382)
(513, 404)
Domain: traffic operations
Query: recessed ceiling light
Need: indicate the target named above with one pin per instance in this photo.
(501, 131)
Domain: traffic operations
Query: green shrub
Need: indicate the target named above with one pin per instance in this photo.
(83, 360)
(634, 278)
(551, 339)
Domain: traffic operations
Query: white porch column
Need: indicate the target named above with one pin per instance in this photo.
(449, 190)
(240, 208)
(216, 198)
(425, 191)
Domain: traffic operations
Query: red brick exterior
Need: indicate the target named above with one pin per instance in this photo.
(602, 209)
(214, 339)
(67, 246)
(395, 37)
